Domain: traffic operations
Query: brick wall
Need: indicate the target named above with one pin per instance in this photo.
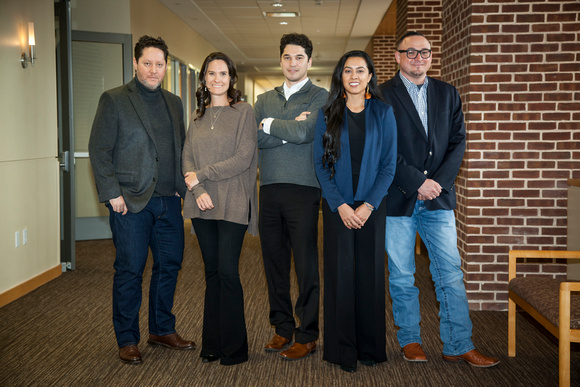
(523, 122)
(456, 17)
(384, 57)
(402, 7)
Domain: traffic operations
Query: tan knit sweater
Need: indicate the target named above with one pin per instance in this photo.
(225, 161)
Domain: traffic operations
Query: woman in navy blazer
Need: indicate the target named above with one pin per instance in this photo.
(355, 157)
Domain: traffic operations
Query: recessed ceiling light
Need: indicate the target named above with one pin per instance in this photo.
(283, 23)
(277, 5)
(281, 14)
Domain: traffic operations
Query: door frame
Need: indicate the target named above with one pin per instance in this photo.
(62, 14)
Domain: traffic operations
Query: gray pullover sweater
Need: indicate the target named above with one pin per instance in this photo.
(290, 162)
(225, 161)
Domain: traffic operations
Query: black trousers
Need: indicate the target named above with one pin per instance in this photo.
(224, 325)
(288, 223)
(354, 288)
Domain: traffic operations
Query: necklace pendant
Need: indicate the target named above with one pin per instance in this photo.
(211, 127)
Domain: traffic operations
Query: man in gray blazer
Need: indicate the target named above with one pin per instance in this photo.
(135, 151)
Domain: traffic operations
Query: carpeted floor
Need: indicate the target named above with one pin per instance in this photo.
(61, 335)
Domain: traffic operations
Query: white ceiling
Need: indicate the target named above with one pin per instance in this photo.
(239, 29)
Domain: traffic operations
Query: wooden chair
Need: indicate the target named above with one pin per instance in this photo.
(549, 302)
(417, 244)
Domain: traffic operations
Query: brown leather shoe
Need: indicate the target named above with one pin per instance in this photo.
(130, 354)
(474, 358)
(173, 341)
(414, 353)
(299, 351)
(276, 344)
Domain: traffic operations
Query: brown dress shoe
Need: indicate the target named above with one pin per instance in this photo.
(299, 351)
(173, 341)
(414, 353)
(130, 354)
(474, 358)
(276, 344)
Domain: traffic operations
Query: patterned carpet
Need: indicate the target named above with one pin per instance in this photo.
(62, 335)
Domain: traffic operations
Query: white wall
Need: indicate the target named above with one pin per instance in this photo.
(29, 196)
(150, 17)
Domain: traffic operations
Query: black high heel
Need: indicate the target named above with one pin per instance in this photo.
(348, 367)
(209, 358)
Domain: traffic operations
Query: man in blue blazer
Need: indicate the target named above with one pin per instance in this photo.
(135, 151)
(430, 147)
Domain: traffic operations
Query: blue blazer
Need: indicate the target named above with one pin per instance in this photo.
(378, 162)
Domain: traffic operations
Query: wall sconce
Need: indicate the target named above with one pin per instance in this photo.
(31, 56)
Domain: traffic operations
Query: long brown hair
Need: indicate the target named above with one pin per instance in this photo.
(203, 95)
(334, 108)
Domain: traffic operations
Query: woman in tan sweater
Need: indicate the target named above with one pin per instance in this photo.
(220, 165)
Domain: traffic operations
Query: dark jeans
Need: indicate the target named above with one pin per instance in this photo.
(289, 226)
(158, 226)
(224, 325)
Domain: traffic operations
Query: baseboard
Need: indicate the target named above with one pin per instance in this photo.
(27, 286)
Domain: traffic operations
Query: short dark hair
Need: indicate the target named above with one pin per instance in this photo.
(296, 40)
(410, 33)
(148, 41)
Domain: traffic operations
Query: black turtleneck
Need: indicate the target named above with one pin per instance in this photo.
(163, 132)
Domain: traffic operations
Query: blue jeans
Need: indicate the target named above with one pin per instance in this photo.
(438, 231)
(158, 226)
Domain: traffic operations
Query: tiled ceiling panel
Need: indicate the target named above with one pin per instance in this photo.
(240, 29)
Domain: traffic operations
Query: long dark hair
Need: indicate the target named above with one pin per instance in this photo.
(334, 108)
(203, 95)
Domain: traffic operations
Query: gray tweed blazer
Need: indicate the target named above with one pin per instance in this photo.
(122, 146)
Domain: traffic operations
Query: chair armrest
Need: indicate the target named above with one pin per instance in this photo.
(537, 254)
(570, 287)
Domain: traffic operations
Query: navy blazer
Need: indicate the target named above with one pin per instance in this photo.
(377, 165)
(122, 146)
(437, 156)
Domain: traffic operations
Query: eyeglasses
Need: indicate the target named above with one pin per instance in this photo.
(412, 53)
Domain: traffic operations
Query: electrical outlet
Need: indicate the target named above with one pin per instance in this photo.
(24, 236)
(17, 239)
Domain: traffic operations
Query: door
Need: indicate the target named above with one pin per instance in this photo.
(98, 64)
(87, 64)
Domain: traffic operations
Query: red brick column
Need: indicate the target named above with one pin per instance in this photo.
(516, 64)
(384, 57)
